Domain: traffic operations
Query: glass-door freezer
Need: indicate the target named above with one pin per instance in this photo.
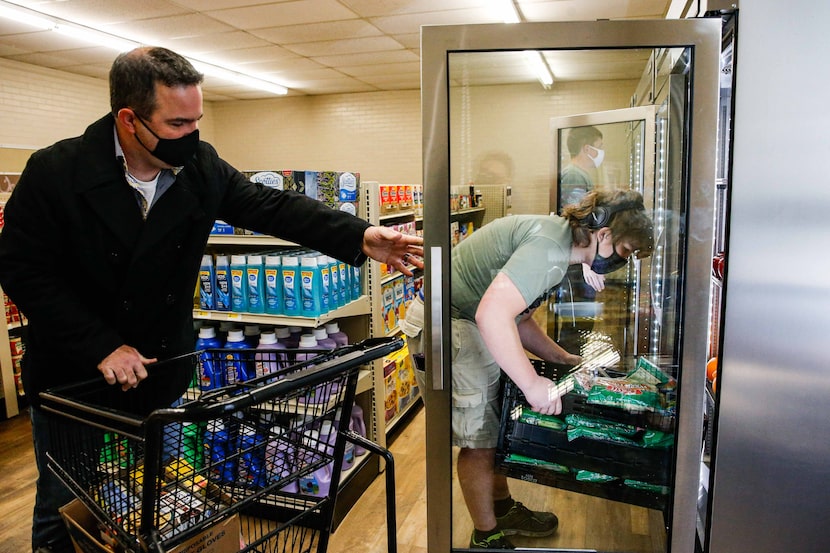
(619, 464)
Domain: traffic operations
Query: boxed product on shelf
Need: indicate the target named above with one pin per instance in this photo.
(271, 179)
(404, 378)
(388, 312)
(221, 227)
(390, 398)
(398, 298)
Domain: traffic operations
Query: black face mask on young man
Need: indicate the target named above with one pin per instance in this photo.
(604, 265)
(172, 151)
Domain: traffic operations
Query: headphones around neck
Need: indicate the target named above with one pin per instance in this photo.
(601, 215)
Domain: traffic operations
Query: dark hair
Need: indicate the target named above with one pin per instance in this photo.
(628, 224)
(134, 75)
(580, 136)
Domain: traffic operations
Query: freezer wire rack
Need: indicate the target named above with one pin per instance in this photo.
(268, 451)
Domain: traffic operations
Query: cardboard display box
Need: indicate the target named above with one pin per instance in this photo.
(222, 537)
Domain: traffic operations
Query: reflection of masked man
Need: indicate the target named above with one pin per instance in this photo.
(585, 148)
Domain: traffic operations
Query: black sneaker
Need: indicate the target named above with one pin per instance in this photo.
(493, 541)
(521, 521)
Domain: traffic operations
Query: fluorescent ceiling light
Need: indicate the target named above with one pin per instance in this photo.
(540, 68)
(89, 35)
(507, 11)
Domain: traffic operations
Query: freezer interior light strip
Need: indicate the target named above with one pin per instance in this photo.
(78, 31)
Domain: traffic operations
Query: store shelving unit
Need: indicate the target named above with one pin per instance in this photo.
(9, 389)
(375, 280)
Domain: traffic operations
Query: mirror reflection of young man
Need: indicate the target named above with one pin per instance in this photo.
(585, 146)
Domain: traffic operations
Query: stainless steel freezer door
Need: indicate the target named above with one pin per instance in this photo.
(462, 66)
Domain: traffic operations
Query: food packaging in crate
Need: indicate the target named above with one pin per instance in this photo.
(613, 438)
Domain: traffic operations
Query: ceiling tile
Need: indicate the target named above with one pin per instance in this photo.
(373, 8)
(382, 69)
(214, 43)
(284, 13)
(411, 23)
(396, 56)
(352, 46)
(310, 32)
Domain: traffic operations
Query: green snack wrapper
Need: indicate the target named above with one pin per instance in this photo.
(624, 394)
(648, 373)
(657, 439)
(548, 421)
(599, 435)
(530, 461)
(587, 421)
(595, 477)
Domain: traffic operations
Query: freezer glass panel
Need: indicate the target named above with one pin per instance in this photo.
(520, 147)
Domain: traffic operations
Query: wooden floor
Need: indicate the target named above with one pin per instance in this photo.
(585, 522)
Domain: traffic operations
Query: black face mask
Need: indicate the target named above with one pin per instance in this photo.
(604, 265)
(172, 151)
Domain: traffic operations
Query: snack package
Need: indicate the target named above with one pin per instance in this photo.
(645, 486)
(595, 477)
(528, 416)
(648, 373)
(530, 461)
(624, 394)
(657, 439)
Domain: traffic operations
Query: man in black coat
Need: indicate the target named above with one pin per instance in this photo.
(103, 239)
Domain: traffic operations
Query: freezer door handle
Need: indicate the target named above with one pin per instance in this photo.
(436, 319)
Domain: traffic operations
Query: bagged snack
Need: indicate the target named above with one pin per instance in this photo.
(648, 373)
(624, 394)
(657, 439)
(595, 477)
(548, 421)
(645, 486)
(530, 461)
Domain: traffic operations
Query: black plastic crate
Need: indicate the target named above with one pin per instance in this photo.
(623, 462)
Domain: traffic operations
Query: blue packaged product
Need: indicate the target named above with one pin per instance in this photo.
(310, 287)
(343, 281)
(239, 290)
(357, 288)
(236, 367)
(210, 375)
(255, 277)
(251, 471)
(207, 283)
(273, 285)
(290, 285)
(218, 449)
(222, 291)
(326, 304)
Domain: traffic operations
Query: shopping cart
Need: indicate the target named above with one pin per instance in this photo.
(263, 455)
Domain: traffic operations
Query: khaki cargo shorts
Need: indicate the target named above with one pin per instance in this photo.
(476, 408)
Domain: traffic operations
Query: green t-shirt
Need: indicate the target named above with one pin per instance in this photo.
(533, 251)
(574, 183)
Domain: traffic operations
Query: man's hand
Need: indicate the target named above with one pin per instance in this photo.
(393, 248)
(542, 396)
(595, 281)
(125, 366)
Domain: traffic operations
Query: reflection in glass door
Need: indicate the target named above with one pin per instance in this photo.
(612, 463)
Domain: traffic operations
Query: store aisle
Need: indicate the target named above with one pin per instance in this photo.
(363, 529)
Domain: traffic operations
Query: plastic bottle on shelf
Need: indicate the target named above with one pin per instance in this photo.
(357, 285)
(293, 340)
(334, 290)
(239, 290)
(235, 364)
(210, 370)
(222, 294)
(283, 335)
(255, 278)
(358, 425)
(317, 482)
(291, 305)
(252, 333)
(343, 281)
(224, 328)
(310, 288)
(207, 283)
(273, 285)
(323, 339)
(334, 332)
(270, 361)
(325, 284)
(307, 341)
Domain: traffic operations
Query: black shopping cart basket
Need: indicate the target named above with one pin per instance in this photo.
(259, 458)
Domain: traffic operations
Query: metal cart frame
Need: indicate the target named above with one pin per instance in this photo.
(155, 481)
